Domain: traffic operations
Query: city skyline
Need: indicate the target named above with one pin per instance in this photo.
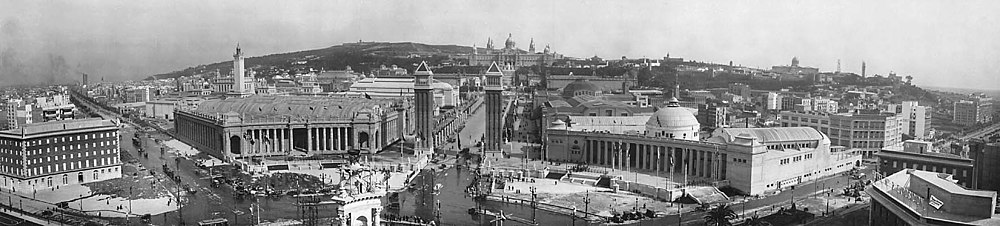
(933, 41)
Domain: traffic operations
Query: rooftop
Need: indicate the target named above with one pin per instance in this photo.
(777, 134)
(909, 189)
(895, 152)
(62, 125)
(613, 124)
(294, 106)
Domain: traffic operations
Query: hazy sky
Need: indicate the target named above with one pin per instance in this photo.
(940, 43)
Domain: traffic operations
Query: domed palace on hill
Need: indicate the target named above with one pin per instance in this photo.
(589, 126)
(511, 55)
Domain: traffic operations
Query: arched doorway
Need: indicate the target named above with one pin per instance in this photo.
(363, 139)
(235, 145)
(362, 220)
(79, 177)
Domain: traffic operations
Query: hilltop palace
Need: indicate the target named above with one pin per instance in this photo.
(511, 55)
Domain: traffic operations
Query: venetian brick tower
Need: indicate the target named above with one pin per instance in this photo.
(494, 115)
(424, 103)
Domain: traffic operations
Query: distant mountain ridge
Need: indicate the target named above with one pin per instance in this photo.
(337, 57)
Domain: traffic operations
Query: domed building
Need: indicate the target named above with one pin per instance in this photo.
(581, 87)
(673, 121)
(752, 160)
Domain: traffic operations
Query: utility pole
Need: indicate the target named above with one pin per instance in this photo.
(586, 204)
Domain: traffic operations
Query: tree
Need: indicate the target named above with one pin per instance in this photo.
(720, 216)
(756, 221)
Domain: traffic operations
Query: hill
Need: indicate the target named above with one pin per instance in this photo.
(361, 56)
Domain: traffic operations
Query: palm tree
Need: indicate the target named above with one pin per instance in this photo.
(756, 221)
(720, 216)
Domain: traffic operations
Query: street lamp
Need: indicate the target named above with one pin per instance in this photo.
(534, 204)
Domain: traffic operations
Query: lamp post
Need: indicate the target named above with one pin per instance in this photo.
(534, 204)
(129, 200)
(680, 215)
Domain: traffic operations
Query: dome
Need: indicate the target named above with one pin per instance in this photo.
(581, 87)
(673, 121)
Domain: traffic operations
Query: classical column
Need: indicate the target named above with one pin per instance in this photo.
(650, 157)
(702, 160)
(689, 155)
(322, 139)
(335, 138)
(270, 140)
(601, 153)
(704, 163)
(280, 134)
(310, 139)
(291, 138)
(255, 141)
(318, 138)
(639, 158)
(342, 136)
(719, 165)
(710, 164)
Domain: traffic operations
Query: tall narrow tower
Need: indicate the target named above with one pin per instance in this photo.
(424, 103)
(494, 115)
(838, 66)
(239, 85)
(531, 46)
(863, 67)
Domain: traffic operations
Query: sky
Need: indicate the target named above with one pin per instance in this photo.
(939, 43)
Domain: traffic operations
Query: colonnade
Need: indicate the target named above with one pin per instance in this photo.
(280, 141)
(696, 162)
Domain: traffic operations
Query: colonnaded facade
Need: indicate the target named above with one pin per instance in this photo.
(753, 160)
(291, 125)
